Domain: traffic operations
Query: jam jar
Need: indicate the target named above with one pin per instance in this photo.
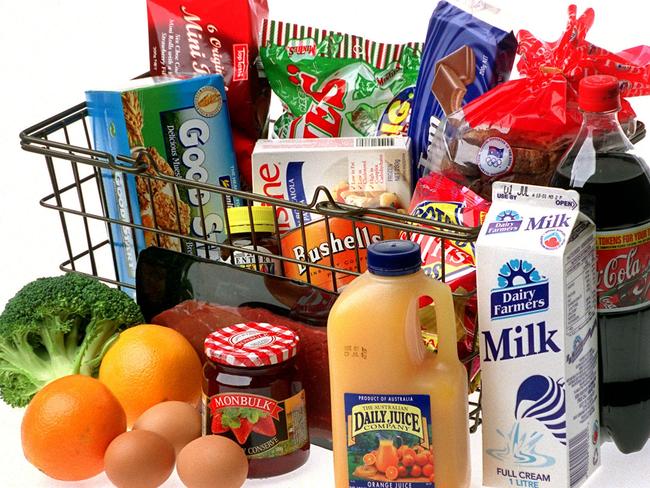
(253, 394)
(252, 228)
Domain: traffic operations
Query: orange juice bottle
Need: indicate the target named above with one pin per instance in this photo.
(399, 412)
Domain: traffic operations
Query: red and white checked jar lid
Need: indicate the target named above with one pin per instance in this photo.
(251, 345)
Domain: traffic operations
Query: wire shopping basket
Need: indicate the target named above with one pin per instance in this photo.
(76, 171)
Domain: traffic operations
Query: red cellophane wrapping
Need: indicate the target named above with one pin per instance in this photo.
(519, 130)
(441, 200)
(194, 37)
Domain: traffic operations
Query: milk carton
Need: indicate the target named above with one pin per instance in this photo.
(539, 351)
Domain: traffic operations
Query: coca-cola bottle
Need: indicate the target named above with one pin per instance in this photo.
(614, 187)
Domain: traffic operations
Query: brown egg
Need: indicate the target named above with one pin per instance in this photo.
(178, 422)
(139, 459)
(211, 458)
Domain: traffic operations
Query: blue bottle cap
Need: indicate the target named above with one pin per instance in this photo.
(394, 258)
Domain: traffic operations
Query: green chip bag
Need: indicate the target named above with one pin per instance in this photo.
(333, 84)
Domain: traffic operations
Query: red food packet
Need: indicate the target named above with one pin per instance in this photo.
(439, 199)
(519, 130)
(220, 36)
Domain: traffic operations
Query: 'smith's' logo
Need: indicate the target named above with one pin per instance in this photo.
(298, 49)
(521, 290)
(505, 221)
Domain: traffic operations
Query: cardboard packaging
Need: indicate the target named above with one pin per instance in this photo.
(366, 172)
(184, 129)
(536, 275)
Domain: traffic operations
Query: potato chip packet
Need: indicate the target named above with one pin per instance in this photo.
(441, 200)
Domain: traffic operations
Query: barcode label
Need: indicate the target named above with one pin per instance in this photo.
(578, 457)
(374, 142)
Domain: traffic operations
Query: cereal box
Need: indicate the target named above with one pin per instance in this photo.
(184, 128)
(366, 172)
(536, 273)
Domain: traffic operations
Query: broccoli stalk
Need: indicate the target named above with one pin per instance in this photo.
(55, 327)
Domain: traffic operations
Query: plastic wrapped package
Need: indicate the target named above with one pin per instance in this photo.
(439, 199)
(464, 56)
(336, 85)
(519, 130)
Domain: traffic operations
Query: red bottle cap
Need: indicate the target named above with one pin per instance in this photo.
(251, 345)
(599, 93)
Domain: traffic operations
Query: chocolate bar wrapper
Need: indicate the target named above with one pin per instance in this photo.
(472, 54)
(180, 128)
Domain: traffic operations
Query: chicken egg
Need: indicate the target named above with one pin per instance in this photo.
(139, 459)
(211, 461)
(178, 422)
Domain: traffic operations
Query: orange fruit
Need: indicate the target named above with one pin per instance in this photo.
(392, 473)
(408, 460)
(68, 426)
(427, 470)
(421, 459)
(416, 471)
(409, 452)
(150, 364)
(401, 472)
(369, 459)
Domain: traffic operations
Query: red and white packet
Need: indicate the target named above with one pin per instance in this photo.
(440, 199)
(193, 37)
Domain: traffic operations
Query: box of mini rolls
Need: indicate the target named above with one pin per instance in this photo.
(184, 128)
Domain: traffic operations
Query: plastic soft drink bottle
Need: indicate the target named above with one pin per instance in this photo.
(614, 187)
(399, 412)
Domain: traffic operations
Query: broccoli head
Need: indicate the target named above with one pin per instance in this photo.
(58, 326)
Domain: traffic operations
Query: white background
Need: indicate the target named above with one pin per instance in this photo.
(53, 50)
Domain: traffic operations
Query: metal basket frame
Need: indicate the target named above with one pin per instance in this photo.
(53, 139)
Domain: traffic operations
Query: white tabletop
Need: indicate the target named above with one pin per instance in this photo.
(55, 49)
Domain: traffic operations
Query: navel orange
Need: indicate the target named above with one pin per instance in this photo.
(68, 426)
(150, 364)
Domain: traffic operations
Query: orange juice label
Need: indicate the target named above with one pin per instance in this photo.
(389, 440)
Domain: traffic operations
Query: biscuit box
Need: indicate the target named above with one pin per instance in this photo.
(368, 172)
(184, 128)
(536, 275)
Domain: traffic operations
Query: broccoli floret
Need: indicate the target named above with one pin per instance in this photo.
(58, 326)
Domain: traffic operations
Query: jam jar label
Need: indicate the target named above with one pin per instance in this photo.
(623, 258)
(264, 427)
(389, 440)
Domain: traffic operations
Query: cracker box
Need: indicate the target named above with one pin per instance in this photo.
(184, 127)
(366, 172)
(536, 277)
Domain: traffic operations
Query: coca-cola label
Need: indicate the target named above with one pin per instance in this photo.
(623, 258)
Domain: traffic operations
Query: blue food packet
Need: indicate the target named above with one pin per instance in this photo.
(463, 58)
(183, 128)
